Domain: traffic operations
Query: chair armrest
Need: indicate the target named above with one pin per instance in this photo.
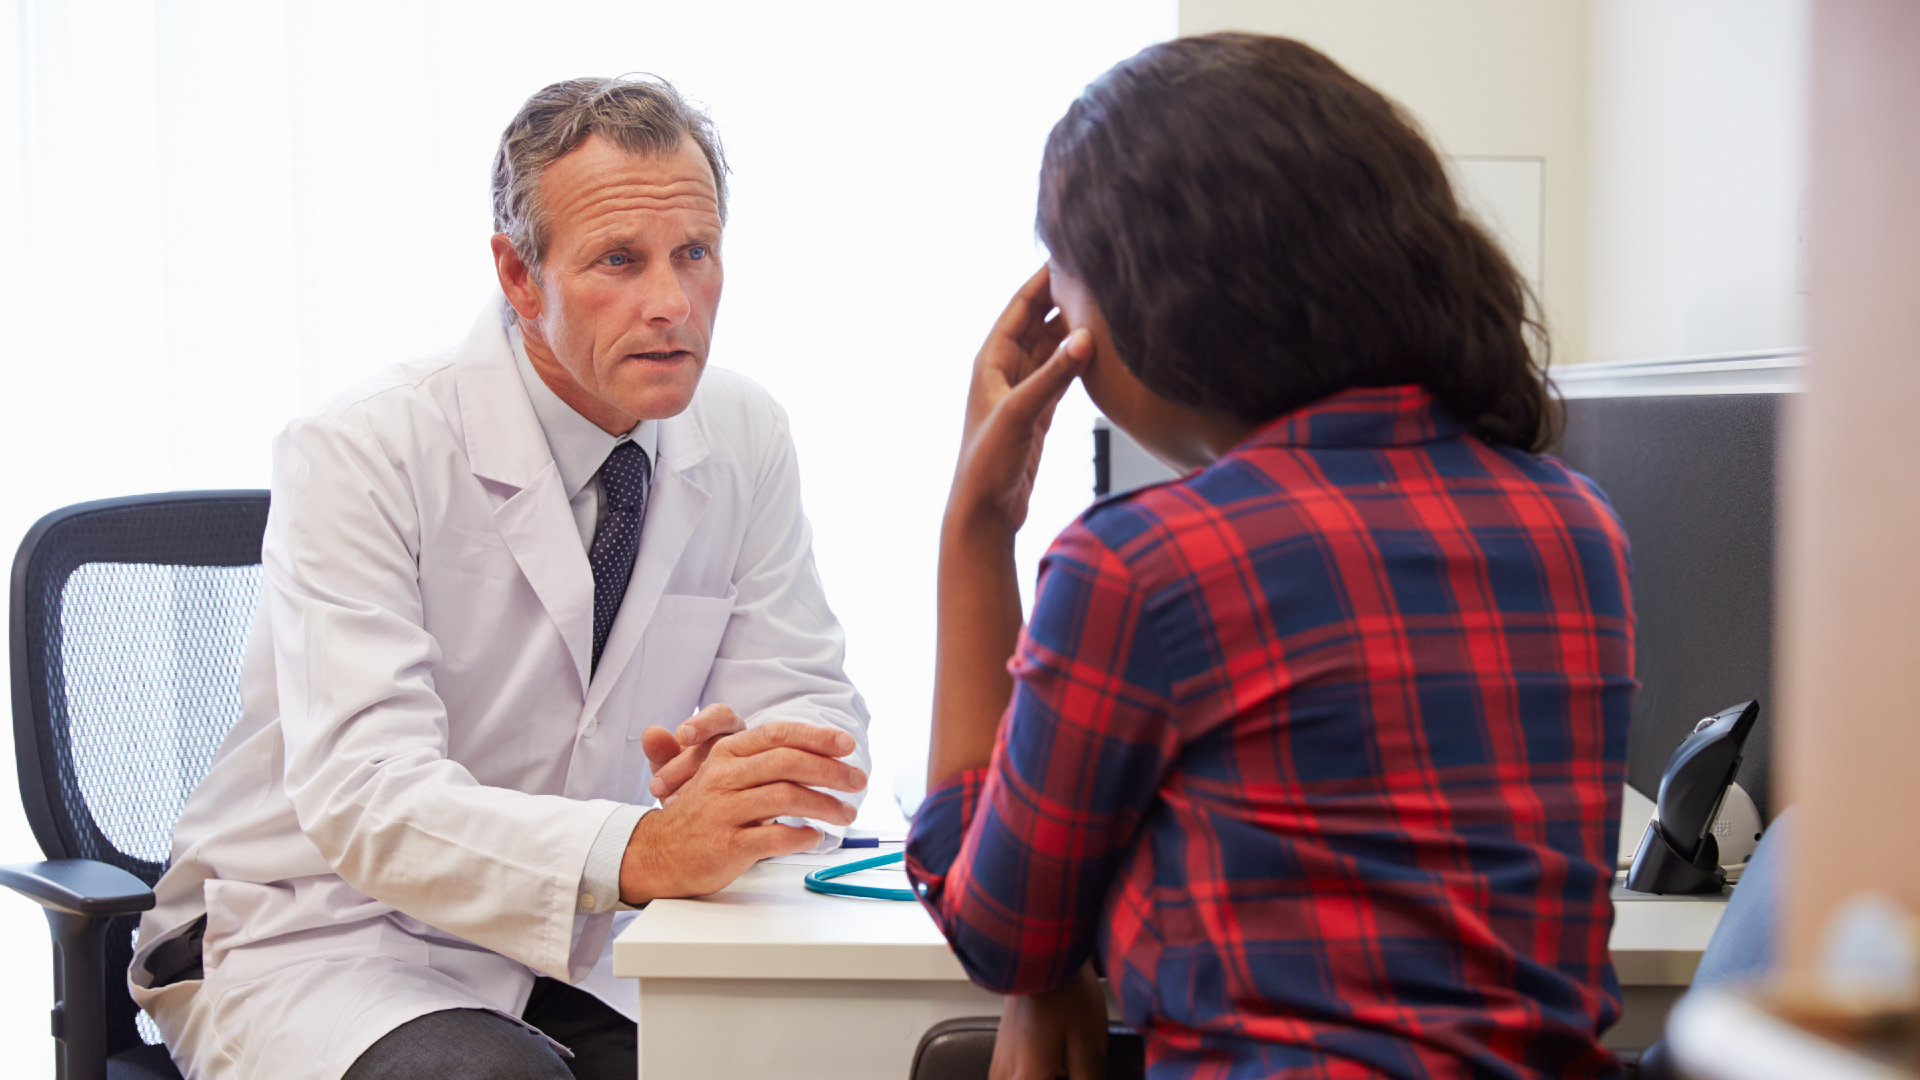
(81, 897)
(79, 887)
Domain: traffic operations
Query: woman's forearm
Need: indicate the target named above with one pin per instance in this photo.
(1026, 364)
(978, 627)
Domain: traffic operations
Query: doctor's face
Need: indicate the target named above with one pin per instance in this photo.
(621, 317)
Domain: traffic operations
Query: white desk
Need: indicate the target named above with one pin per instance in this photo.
(767, 979)
(1656, 943)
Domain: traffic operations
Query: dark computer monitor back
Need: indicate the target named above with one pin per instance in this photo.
(1692, 478)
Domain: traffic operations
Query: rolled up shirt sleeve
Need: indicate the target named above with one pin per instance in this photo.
(1015, 861)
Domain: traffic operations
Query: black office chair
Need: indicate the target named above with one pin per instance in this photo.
(129, 617)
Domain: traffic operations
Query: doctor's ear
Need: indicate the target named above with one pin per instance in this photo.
(517, 279)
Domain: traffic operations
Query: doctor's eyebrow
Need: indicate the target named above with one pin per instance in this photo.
(692, 238)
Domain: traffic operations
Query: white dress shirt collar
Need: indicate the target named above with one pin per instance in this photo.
(579, 445)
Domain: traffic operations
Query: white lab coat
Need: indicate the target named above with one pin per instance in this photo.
(399, 821)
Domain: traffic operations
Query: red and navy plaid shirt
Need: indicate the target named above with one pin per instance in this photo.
(1322, 748)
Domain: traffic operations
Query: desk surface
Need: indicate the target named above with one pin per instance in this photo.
(1657, 940)
(767, 926)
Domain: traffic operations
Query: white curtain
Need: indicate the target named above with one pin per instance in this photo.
(217, 213)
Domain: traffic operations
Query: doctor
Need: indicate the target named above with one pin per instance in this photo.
(498, 582)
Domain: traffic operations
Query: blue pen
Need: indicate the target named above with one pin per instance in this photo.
(860, 841)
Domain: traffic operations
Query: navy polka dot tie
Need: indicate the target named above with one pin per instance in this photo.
(624, 477)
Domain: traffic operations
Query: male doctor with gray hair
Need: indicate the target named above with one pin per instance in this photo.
(498, 584)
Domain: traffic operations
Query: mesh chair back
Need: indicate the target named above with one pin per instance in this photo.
(129, 618)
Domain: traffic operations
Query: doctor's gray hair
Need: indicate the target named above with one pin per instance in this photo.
(641, 115)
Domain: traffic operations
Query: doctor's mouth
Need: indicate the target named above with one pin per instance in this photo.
(662, 359)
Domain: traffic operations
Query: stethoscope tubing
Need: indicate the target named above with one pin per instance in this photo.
(821, 881)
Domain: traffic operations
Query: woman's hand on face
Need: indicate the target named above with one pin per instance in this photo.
(1025, 366)
(1062, 1032)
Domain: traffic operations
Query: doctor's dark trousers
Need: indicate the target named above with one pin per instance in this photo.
(473, 1044)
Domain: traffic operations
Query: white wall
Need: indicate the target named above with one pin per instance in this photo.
(1672, 134)
(1488, 79)
(217, 213)
(1699, 130)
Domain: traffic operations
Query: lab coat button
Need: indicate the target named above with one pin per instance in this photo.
(593, 726)
(587, 901)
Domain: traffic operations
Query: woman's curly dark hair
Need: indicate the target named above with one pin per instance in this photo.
(1262, 230)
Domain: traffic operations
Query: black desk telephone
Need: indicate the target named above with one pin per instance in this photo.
(1678, 854)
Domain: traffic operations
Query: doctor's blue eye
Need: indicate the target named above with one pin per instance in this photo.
(698, 251)
(617, 259)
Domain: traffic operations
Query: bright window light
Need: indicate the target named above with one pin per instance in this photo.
(219, 213)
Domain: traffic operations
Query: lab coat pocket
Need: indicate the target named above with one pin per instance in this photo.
(676, 656)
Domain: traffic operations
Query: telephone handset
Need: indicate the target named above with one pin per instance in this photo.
(1678, 854)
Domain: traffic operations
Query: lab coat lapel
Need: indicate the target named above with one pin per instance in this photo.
(538, 526)
(675, 505)
(507, 448)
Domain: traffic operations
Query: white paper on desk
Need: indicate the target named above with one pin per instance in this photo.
(830, 834)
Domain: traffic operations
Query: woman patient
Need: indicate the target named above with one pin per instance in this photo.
(1317, 751)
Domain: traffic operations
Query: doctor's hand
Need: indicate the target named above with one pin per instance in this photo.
(1023, 369)
(1062, 1032)
(721, 820)
(676, 755)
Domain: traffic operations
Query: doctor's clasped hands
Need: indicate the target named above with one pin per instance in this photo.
(720, 795)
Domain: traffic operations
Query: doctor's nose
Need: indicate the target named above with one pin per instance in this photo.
(663, 300)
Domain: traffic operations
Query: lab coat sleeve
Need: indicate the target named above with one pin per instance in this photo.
(783, 654)
(366, 735)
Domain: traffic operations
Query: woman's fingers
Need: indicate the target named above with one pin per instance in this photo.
(1062, 1031)
(1004, 438)
(1041, 390)
(1023, 336)
(1015, 389)
(1043, 334)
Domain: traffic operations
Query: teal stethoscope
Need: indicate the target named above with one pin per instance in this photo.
(821, 881)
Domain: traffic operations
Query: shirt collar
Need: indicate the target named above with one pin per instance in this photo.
(579, 445)
(1362, 417)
